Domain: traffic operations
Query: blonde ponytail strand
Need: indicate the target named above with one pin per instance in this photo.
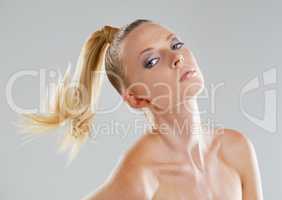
(74, 99)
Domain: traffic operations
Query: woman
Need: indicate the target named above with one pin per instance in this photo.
(153, 70)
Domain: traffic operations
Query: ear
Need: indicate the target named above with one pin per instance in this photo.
(134, 101)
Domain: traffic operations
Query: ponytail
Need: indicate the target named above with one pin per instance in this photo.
(73, 102)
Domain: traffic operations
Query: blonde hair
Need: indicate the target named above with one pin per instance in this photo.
(73, 103)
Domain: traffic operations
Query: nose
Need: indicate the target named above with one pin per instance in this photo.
(178, 61)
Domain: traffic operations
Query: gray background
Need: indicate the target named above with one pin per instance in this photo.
(234, 41)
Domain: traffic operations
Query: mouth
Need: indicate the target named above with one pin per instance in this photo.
(186, 75)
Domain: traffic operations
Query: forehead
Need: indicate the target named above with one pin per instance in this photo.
(143, 36)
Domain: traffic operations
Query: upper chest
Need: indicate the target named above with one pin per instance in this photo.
(218, 182)
(182, 181)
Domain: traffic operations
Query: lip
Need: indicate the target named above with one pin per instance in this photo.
(187, 74)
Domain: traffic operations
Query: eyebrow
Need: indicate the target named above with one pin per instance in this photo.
(150, 48)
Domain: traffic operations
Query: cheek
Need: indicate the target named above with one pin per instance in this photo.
(163, 91)
(141, 89)
(163, 83)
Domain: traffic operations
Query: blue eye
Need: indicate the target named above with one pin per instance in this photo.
(178, 45)
(151, 62)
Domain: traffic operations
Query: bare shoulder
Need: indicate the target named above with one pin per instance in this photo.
(235, 139)
(234, 144)
(127, 180)
(125, 183)
(239, 152)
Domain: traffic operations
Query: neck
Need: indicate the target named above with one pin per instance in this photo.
(182, 130)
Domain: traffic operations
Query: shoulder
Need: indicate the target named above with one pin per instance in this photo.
(234, 139)
(238, 152)
(236, 147)
(125, 183)
(128, 179)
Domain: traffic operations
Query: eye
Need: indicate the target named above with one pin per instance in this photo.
(151, 62)
(178, 45)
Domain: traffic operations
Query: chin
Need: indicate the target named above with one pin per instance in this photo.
(199, 86)
(193, 89)
(198, 91)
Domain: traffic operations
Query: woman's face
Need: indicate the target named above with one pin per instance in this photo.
(151, 55)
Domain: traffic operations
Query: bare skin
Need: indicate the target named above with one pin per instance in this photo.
(171, 163)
